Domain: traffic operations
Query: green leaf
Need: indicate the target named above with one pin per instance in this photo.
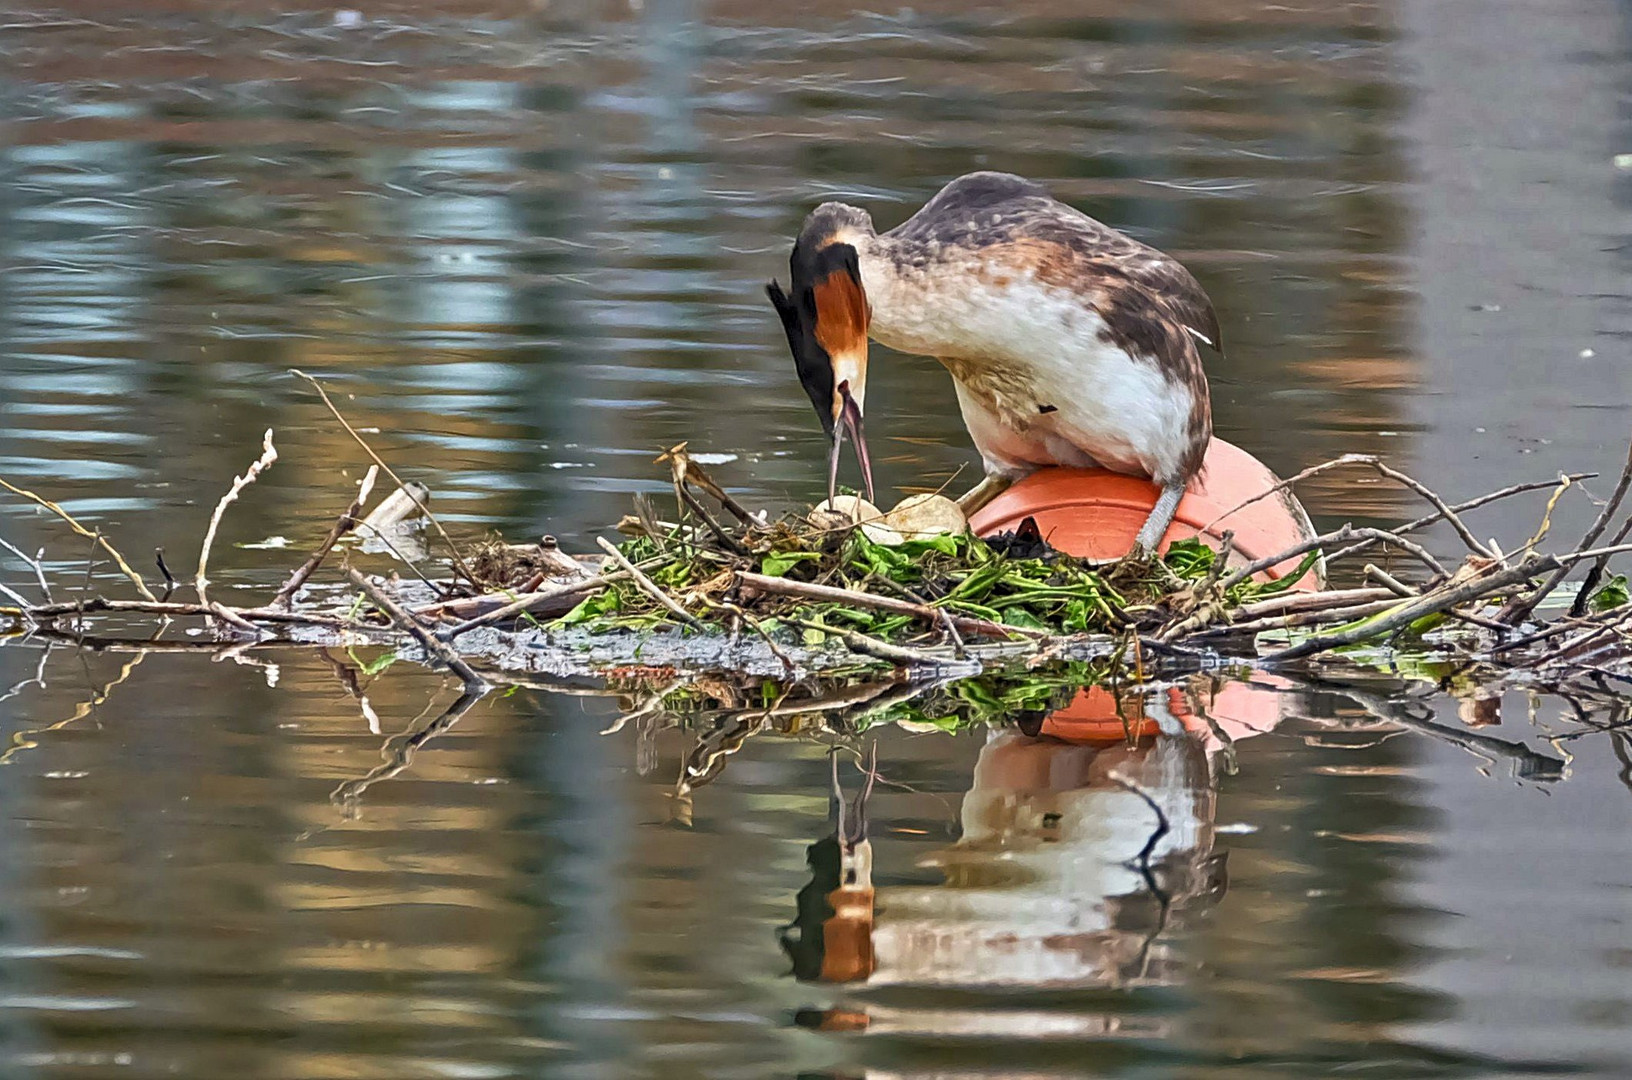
(1281, 584)
(945, 544)
(978, 583)
(1019, 616)
(1075, 617)
(1189, 558)
(813, 637)
(1612, 595)
(590, 608)
(380, 663)
(778, 563)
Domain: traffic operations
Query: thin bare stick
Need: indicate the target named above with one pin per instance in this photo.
(1519, 609)
(646, 584)
(1595, 573)
(341, 527)
(1283, 485)
(369, 450)
(830, 594)
(232, 618)
(269, 454)
(788, 666)
(732, 544)
(1462, 508)
(169, 578)
(682, 464)
(1286, 603)
(1438, 504)
(1443, 509)
(1346, 613)
(96, 537)
(406, 621)
(1346, 533)
(1388, 581)
(39, 571)
(45, 613)
(439, 590)
(1410, 611)
(531, 602)
(1564, 625)
(1594, 553)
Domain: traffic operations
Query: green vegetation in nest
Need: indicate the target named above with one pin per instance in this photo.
(1002, 580)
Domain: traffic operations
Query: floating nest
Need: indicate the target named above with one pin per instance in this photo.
(844, 584)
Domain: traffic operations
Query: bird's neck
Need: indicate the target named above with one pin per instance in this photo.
(894, 275)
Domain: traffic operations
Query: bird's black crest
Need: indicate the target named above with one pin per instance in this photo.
(797, 308)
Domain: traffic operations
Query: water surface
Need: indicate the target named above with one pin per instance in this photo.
(525, 243)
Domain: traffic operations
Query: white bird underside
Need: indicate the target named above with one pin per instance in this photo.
(1070, 343)
(1015, 351)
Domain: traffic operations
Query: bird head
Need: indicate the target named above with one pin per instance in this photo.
(826, 314)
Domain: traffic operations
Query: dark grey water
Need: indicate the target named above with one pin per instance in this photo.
(526, 243)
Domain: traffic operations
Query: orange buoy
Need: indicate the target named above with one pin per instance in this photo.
(1095, 514)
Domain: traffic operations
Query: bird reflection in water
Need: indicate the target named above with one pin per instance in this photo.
(1086, 835)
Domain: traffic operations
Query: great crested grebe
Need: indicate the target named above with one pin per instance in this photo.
(1069, 343)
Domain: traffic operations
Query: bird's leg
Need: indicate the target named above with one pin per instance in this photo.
(1155, 526)
(983, 493)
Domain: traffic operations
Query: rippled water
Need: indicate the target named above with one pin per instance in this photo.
(525, 242)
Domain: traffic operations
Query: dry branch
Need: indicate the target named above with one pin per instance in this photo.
(1410, 611)
(1520, 608)
(343, 525)
(1343, 535)
(94, 537)
(406, 621)
(34, 564)
(1462, 508)
(269, 454)
(646, 584)
(458, 560)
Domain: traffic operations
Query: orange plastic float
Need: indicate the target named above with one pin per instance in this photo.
(1095, 514)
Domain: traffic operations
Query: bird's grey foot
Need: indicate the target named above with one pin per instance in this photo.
(1155, 526)
(983, 493)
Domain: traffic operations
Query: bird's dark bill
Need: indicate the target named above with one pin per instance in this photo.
(849, 421)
